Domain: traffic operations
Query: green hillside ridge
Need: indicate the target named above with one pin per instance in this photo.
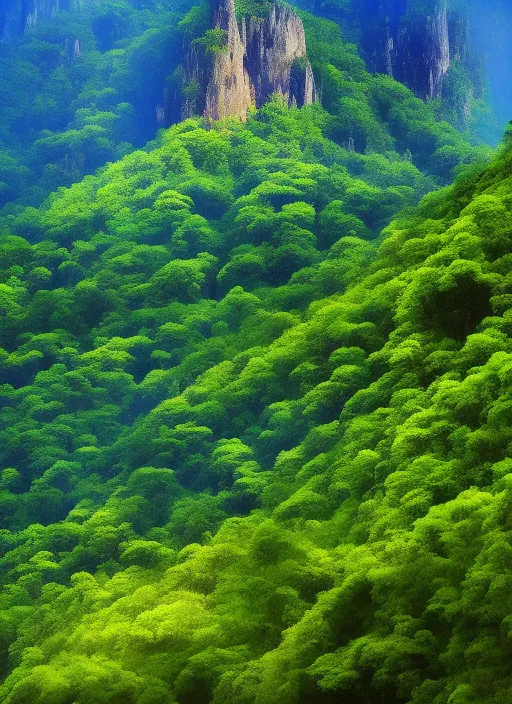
(252, 454)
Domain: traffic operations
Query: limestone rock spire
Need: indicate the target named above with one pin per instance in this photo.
(258, 57)
(229, 89)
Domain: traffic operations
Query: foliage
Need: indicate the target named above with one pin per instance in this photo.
(97, 82)
(213, 41)
(255, 426)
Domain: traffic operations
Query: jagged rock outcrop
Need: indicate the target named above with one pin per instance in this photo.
(16, 16)
(277, 59)
(417, 47)
(229, 92)
(259, 57)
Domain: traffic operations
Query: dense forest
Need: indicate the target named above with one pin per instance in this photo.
(256, 406)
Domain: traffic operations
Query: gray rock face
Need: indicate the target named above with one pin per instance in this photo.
(260, 57)
(424, 53)
(19, 15)
(229, 91)
(277, 59)
(417, 48)
(438, 42)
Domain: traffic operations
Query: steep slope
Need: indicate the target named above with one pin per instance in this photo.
(296, 492)
(254, 439)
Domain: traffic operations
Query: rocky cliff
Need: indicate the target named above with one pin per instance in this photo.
(229, 92)
(414, 45)
(16, 16)
(255, 59)
(424, 52)
(277, 59)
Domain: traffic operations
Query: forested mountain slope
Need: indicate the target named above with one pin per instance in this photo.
(100, 79)
(251, 458)
(255, 426)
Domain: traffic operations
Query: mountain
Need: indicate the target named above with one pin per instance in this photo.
(97, 82)
(255, 414)
(441, 49)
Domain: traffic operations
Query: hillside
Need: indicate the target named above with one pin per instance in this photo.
(255, 424)
(99, 80)
(231, 492)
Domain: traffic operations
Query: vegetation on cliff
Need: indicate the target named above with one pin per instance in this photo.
(91, 86)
